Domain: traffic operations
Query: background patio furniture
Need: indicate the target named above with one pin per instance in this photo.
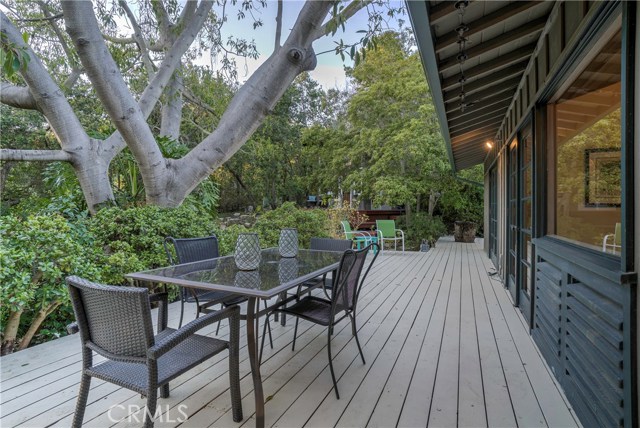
(613, 241)
(346, 289)
(357, 236)
(387, 232)
(115, 322)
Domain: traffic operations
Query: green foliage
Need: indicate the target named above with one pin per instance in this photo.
(132, 238)
(36, 254)
(422, 226)
(13, 58)
(462, 200)
(309, 222)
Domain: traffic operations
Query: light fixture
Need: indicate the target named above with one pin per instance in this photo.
(489, 144)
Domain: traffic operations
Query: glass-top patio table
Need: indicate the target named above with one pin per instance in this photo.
(273, 278)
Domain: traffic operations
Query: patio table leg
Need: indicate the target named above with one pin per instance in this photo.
(253, 307)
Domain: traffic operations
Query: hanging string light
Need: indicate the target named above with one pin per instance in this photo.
(461, 29)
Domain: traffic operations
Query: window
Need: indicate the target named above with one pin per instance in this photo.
(585, 170)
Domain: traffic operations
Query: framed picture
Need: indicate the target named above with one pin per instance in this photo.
(602, 178)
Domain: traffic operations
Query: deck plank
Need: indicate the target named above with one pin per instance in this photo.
(496, 393)
(443, 343)
(415, 410)
(471, 402)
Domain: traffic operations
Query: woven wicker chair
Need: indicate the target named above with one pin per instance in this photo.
(342, 304)
(115, 322)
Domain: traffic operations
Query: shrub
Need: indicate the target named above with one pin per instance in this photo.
(344, 211)
(36, 254)
(309, 222)
(132, 238)
(422, 226)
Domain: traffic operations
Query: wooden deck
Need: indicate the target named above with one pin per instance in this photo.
(444, 347)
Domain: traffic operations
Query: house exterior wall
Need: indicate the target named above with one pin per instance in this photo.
(582, 301)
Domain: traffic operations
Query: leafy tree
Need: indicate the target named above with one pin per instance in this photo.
(129, 74)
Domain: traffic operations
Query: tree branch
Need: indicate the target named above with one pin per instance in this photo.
(119, 40)
(164, 24)
(48, 97)
(278, 26)
(154, 89)
(346, 13)
(186, 15)
(137, 35)
(48, 18)
(34, 155)
(17, 96)
(110, 87)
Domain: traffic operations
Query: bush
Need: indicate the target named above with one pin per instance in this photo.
(132, 238)
(422, 226)
(36, 254)
(309, 222)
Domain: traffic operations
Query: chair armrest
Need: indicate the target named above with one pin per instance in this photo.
(73, 328)
(169, 342)
(401, 233)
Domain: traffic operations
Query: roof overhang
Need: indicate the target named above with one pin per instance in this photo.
(499, 40)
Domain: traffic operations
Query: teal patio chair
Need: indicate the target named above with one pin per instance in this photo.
(387, 232)
(357, 236)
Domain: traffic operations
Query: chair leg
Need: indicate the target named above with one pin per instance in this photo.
(150, 410)
(333, 376)
(295, 334)
(268, 324)
(181, 311)
(83, 394)
(264, 333)
(354, 331)
(164, 391)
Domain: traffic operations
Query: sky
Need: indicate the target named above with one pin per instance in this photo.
(330, 69)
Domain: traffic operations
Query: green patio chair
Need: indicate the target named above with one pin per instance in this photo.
(387, 232)
(357, 236)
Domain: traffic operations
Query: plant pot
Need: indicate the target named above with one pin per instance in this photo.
(465, 231)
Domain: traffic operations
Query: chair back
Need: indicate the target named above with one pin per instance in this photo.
(350, 278)
(189, 250)
(346, 226)
(113, 321)
(387, 228)
(328, 244)
(617, 237)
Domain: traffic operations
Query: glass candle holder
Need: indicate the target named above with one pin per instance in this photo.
(287, 270)
(288, 243)
(247, 255)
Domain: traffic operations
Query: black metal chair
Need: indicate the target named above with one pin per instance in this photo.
(188, 250)
(325, 244)
(115, 322)
(343, 302)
